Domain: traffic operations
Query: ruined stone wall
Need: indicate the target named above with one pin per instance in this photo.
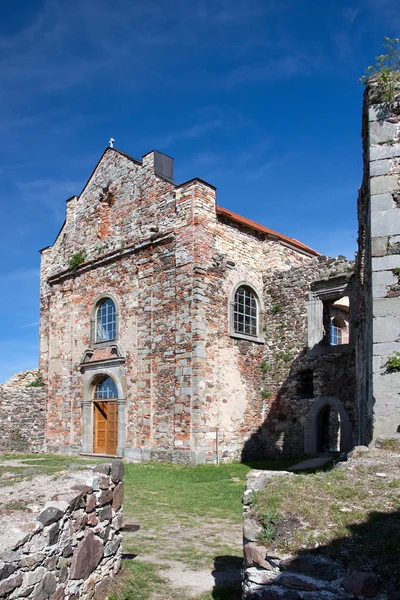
(270, 575)
(73, 547)
(22, 414)
(286, 355)
(379, 215)
(363, 275)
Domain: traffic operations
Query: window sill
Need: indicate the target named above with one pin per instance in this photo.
(249, 338)
(105, 344)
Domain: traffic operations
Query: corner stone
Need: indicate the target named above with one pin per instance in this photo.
(87, 556)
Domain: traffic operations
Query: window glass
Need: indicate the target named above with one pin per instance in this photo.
(105, 389)
(245, 311)
(105, 321)
(336, 333)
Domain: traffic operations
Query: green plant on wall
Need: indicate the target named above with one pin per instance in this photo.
(393, 363)
(266, 394)
(385, 74)
(36, 382)
(76, 259)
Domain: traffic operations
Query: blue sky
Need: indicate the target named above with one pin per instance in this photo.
(260, 98)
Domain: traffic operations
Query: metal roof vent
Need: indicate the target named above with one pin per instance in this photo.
(164, 165)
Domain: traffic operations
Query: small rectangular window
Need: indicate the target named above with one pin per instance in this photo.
(305, 384)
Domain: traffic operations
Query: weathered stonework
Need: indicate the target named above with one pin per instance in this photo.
(188, 386)
(22, 414)
(306, 575)
(292, 415)
(378, 271)
(73, 548)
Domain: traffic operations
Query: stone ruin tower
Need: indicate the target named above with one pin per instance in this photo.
(378, 268)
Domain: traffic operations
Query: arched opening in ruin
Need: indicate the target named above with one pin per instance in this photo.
(328, 430)
(328, 427)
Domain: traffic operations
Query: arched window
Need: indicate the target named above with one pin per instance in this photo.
(105, 388)
(245, 312)
(105, 320)
(336, 331)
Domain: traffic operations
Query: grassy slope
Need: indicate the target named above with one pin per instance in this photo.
(351, 514)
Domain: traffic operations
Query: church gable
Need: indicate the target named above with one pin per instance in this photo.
(115, 210)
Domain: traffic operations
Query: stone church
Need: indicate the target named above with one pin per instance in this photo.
(174, 329)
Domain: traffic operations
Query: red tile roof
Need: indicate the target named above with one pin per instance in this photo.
(257, 227)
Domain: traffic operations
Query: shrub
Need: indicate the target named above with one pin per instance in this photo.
(76, 259)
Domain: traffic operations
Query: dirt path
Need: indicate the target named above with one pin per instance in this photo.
(193, 559)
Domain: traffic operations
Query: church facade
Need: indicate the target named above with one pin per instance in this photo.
(153, 333)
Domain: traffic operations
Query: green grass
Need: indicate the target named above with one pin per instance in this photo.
(347, 514)
(140, 581)
(190, 516)
(213, 491)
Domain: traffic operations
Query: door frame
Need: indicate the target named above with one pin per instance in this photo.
(90, 378)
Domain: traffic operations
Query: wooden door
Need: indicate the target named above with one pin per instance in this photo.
(112, 427)
(105, 430)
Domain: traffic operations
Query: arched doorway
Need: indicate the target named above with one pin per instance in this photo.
(328, 427)
(105, 416)
(328, 430)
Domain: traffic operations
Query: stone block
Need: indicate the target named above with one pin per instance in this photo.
(105, 514)
(382, 202)
(105, 497)
(384, 184)
(379, 246)
(383, 131)
(104, 468)
(384, 223)
(9, 584)
(117, 471)
(384, 151)
(377, 112)
(260, 576)
(112, 546)
(386, 329)
(389, 383)
(379, 167)
(256, 556)
(87, 556)
(251, 528)
(359, 582)
(379, 291)
(118, 496)
(385, 349)
(386, 263)
(383, 278)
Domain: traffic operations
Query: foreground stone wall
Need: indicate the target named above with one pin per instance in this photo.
(73, 548)
(268, 575)
(22, 414)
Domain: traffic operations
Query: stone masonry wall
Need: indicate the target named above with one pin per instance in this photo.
(73, 549)
(22, 414)
(286, 356)
(188, 391)
(229, 408)
(381, 198)
(268, 575)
